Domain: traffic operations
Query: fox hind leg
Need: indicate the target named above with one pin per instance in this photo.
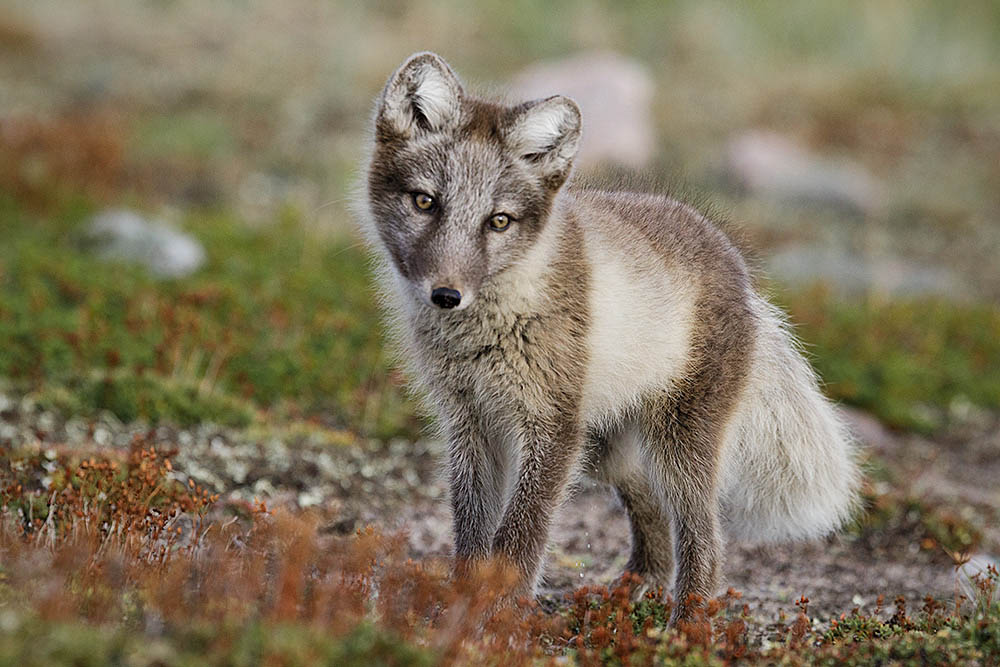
(652, 550)
(614, 458)
(683, 447)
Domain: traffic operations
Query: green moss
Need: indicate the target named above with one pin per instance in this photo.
(916, 363)
(53, 643)
(930, 637)
(276, 315)
(151, 397)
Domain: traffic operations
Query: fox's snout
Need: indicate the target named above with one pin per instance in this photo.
(445, 297)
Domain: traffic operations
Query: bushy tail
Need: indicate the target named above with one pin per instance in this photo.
(790, 467)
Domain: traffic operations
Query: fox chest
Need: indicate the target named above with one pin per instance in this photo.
(625, 351)
(515, 360)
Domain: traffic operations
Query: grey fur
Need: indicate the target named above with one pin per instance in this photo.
(606, 332)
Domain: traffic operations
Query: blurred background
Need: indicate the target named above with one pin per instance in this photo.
(176, 246)
(179, 268)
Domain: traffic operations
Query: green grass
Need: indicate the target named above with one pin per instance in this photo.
(131, 396)
(283, 318)
(277, 318)
(916, 363)
(61, 643)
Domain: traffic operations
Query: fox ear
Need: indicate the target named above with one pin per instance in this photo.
(547, 134)
(422, 95)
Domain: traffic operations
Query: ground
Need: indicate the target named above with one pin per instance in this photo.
(399, 487)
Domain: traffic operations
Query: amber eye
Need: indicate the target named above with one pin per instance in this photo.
(423, 201)
(500, 222)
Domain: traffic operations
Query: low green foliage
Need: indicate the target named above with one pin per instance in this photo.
(277, 315)
(933, 636)
(131, 396)
(915, 363)
(64, 643)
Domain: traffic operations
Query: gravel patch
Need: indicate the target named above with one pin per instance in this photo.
(397, 486)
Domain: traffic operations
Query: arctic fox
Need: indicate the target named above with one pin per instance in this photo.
(559, 330)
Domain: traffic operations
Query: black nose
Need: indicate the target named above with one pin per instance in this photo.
(445, 297)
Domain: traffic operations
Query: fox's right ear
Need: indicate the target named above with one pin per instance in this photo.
(423, 95)
(546, 133)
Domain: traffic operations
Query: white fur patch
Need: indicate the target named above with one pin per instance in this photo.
(435, 98)
(640, 331)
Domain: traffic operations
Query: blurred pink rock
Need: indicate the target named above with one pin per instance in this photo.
(615, 95)
(771, 165)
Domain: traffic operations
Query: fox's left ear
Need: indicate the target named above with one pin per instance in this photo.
(547, 134)
(423, 95)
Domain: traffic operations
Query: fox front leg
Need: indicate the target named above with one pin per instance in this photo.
(476, 471)
(550, 449)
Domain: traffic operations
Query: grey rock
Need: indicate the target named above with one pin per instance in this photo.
(615, 96)
(870, 430)
(850, 273)
(773, 166)
(123, 235)
(9, 432)
(77, 431)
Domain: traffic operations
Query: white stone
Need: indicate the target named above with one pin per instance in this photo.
(124, 235)
(772, 165)
(615, 96)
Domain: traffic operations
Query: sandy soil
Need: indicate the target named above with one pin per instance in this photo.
(590, 541)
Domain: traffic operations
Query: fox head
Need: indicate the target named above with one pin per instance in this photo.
(459, 189)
